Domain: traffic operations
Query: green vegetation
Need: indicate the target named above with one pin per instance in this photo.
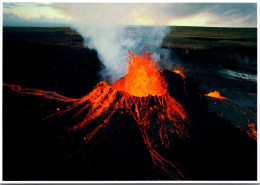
(209, 38)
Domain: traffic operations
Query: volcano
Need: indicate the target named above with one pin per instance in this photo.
(151, 124)
(142, 93)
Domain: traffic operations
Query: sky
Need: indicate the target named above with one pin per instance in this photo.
(174, 14)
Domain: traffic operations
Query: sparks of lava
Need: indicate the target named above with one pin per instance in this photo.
(215, 94)
(142, 93)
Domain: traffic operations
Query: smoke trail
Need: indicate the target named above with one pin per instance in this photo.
(107, 29)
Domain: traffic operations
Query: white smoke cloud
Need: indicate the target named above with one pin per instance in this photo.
(103, 29)
(102, 25)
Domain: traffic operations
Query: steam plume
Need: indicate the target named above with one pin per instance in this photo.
(107, 29)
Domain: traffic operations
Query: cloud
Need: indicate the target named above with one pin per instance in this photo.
(33, 10)
(230, 14)
(100, 24)
(101, 27)
(21, 4)
(217, 15)
(9, 5)
(11, 19)
(194, 14)
(42, 4)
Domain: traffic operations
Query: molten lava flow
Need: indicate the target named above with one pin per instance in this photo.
(215, 94)
(142, 93)
(142, 78)
(46, 94)
(179, 72)
(252, 132)
(161, 112)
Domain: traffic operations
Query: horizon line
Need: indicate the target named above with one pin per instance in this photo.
(133, 26)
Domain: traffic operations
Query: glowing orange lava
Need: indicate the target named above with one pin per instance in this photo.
(215, 94)
(164, 111)
(252, 132)
(142, 94)
(46, 94)
(143, 77)
(179, 72)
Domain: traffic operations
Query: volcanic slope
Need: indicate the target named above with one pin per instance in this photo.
(209, 148)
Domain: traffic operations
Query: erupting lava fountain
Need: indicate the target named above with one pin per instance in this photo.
(142, 93)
